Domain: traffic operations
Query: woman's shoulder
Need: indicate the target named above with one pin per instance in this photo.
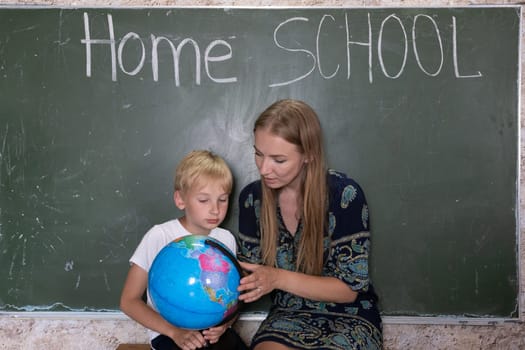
(348, 205)
(253, 189)
(339, 180)
(344, 188)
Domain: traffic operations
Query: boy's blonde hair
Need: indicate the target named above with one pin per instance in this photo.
(200, 164)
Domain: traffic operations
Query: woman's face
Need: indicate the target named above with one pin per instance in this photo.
(279, 162)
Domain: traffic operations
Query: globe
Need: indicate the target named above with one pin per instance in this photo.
(193, 282)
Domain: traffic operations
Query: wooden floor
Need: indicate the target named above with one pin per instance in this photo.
(133, 347)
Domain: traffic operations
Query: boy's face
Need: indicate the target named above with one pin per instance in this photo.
(205, 205)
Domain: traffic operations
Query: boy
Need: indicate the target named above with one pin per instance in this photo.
(203, 183)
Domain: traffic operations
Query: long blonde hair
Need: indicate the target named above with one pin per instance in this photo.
(297, 123)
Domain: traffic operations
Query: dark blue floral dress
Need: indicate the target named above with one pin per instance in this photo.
(308, 324)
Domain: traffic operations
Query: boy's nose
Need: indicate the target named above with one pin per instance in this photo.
(214, 208)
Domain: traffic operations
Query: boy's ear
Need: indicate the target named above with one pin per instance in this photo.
(179, 201)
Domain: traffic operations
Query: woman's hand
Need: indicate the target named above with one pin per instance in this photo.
(261, 280)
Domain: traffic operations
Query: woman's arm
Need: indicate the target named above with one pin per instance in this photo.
(263, 279)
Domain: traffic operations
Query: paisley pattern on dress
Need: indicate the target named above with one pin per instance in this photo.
(348, 195)
(308, 324)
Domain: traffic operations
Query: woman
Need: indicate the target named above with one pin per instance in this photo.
(304, 238)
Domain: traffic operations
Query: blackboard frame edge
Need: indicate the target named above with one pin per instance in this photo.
(520, 186)
(278, 7)
(437, 319)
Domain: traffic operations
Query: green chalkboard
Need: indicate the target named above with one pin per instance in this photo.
(419, 105)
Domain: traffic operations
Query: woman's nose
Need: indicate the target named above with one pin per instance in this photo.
(264, 167)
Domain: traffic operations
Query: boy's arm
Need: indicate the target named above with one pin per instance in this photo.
(131, 304)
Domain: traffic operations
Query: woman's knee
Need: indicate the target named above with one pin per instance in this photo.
(270, 345)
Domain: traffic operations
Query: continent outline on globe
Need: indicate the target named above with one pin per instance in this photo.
(193, 282)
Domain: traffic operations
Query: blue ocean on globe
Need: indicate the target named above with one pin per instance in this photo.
(193, 282)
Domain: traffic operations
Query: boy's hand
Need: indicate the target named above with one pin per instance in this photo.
(189, 340)
(213, 334)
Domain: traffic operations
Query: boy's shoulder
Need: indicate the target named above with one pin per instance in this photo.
(165, 232)
(169, 227)
(226, 237)
(220, 232)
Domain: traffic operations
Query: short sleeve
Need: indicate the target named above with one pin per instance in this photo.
(349, 232)
(249, 236)
(148, 248)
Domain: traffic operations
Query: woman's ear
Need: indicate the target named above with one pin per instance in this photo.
(179, 200)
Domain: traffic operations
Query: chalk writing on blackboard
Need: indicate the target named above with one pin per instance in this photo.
(116, 54)
(314, 56)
